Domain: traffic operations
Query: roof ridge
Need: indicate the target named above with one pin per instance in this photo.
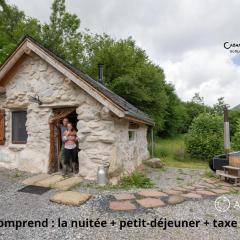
(130, 109)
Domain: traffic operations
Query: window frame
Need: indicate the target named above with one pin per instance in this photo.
(133, 135)
(12, 140)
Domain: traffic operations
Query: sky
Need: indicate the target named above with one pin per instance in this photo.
(185, 37)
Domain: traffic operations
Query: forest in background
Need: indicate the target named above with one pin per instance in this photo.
(128, 71)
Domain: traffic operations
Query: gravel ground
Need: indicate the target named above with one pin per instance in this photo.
(170, 177)
(15, 205)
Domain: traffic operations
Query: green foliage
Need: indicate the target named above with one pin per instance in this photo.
(163, 153)
(175, 114)
(129, 73)
(127, 69)
(175, 154)
(236, 137)
(198, 99)
(234, 116)
(62, 34)
(192, 109)
(136, 179)
(218, 108)
(205, 137)
(13, 25)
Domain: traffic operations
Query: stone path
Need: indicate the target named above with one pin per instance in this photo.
(125, 201)
(154, 198)
(56, 181)
(70, 198)
(59, 182)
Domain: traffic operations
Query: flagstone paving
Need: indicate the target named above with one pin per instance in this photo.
(189, 187)
(49, 181)
(192, 195)
(32, 206)
(206, 193)
(182, 189)
(152, 193)
(154, 198)
(70, 198)
(121, 206)
(172, 192)
(67, 183)
(175, 199)
(132, 201)
(36, 178)
(124, 196)
(220, 191)
(150, 202)
(54, 181)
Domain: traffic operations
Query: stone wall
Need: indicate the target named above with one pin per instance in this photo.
(97, 137)
(103, 137)
(130, 153)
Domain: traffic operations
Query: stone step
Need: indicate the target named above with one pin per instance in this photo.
(36, 178)
(70, 198)
(68, 183)
(49, 181)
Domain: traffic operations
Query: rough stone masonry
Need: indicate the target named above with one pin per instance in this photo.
(103, 137)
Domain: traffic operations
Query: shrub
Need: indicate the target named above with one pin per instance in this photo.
(236, 138)
(136, 179)
(234, 116)
(205, 137)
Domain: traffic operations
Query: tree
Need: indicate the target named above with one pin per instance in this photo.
(129, 73)
(176, 114)
(234, 116)
(236, 137)
(205, 137)
(218, 108)
(127, 69)
(193, 109)
(62, 34)
(198, 99)
(13, 25)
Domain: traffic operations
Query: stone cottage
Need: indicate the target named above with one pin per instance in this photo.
(38, 89)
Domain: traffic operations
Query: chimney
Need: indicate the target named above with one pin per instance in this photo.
(226, 131)
(100, 73)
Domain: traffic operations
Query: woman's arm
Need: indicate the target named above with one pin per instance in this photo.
(65, 138)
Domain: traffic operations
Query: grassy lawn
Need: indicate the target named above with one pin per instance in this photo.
(172, 152)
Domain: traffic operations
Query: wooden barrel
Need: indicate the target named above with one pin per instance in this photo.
(234, 159)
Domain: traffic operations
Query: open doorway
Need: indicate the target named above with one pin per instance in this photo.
(72, 117)
(56, 152)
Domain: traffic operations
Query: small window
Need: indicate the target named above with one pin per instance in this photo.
(19, 131)
(131, 135)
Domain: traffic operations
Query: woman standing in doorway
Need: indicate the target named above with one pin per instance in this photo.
(70, 147)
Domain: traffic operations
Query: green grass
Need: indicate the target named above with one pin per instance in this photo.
(210, 174)
(136, 179)
(172, 152)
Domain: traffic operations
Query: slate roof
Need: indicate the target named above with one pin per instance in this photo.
(129, 109)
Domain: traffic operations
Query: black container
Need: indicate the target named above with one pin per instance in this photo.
(218, 162)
